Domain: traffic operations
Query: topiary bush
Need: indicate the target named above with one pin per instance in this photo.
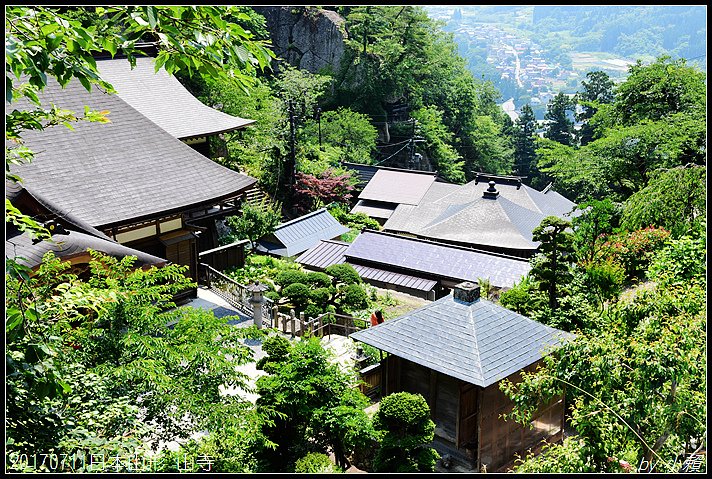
(298, 294)
(404, 420)
(343, 273)
(290, 276)
(316, 462)
(321, 296)
(354, 298)
(318, 279)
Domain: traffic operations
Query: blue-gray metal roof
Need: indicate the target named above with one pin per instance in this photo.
(300, 234)
(480, 343)
(327, 253)
(164, 100)
(416, 256)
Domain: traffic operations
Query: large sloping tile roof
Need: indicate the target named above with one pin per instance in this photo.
(300, 234)
(161, 98)
(464, 216)
(328, 252)
(119, 172)
(416, 256)
(398, 186)
(19, 246)
(479, 342)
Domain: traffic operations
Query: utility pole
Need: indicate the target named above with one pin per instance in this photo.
(292, 152)
(318, 119)
(411, 158)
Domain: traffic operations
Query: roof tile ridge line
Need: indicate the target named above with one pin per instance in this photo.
(465, 206)
(526, 190)
(300, 218)
(335, 242)
(475, 345)
(517, 227)
(406, 170)
(447, 245)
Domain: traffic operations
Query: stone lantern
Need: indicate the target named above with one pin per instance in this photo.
(256, 301)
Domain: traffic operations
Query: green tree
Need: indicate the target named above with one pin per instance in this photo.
(130, 369)
(403, 420)
(316, 405)
(55, 42)
(658, 90)
(524, 144)
(560, 127)
(597, 219)
(673, 199)
(597, 90)
(438, 144)
(350, 132)
(635, 385)
(551, 266)
(255, 221)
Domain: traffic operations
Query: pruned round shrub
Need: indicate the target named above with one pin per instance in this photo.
(315, 462)
(321, 296)
(298, 294)
(343, 273)
(290, 276)
(355, 298)
(318, 279)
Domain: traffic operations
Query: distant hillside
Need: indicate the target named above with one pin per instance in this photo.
(533, 52)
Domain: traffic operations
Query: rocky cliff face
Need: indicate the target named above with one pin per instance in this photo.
(306, 37)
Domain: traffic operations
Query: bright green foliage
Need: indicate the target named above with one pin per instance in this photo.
(255, 221)
(357, 221)
(354, 298)
(438, 144)
(523, 297)
(673, 199)
(321, 296)
(658, 90)
(318, 279)
(550, 267)
(298, 294)
(598, 218)
(343, 274)
(561, 128)
(92, 365)
(680, 261)
(316, 462)
(606, 277)
(350, 132)
(305, 394)
(566, 457)
(403, 419)
(656, 121)
(291, 276)
(276, 348)
(635, 384)
(490, 147)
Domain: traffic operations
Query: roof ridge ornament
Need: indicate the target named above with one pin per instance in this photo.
(491, 192)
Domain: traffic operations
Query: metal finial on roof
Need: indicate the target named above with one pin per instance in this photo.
(491, 192)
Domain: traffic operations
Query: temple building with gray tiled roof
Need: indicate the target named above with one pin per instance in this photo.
(298, 235)
(128, 178)
(455, 352)
(493, 213)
